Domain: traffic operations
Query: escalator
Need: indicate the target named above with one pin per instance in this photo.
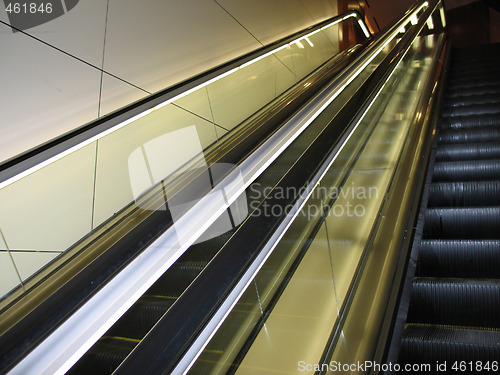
(330, 170)
(455, 297)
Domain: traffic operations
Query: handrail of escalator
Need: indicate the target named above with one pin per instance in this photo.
(30, 161)
(182, 333)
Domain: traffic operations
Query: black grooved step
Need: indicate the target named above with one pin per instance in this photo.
(462, 76)
(454, 309)
(462, 194)
(459, 258)
(466, 170)
(476, 54)
(431, 344)
(458, 302)
(462, 223)
(465, 100)
(464, 73)
(470, 63)
(487, 64)
(464, 122)
(458, 85)
(477, 90)
(471, 151)
(472, 109)
(483, 134)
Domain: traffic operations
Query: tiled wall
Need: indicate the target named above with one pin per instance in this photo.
(104, 54)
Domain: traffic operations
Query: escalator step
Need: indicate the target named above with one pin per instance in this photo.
(464, 75)
(477, 90)
(465, 72)
(458, 101)
(465, 122)
(463, 194)
(459, 258)
(468, 151)
(476, 53)
(474, 56)
(474, 50)
(462, 223)
(458, 302)
(465, 86)
(466, 170)
(431, 344)
(474, 60)
(471, 109)
(484, 134)
(472, 63)
(455, 299)
(468, 70)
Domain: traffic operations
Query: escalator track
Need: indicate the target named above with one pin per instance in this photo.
(455, 298)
